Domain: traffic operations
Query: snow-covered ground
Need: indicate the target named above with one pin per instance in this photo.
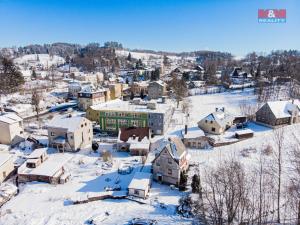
(39, 59)
(144, 55)
(40, 203)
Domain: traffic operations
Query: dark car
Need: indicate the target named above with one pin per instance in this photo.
(139, 221)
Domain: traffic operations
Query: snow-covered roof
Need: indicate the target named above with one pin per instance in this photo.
(193, 132)
(37, 153)
(4, 157)
(140, 181)
(74, 84)
(135, 144)
(71, 123)
(119, 105)
(220, 116)
(174, 146)
(282, 109)
(244, 131)
(49, 167)
(159, 82)
(10, 118)
(91, 89)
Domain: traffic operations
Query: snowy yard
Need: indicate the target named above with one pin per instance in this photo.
(40, 203)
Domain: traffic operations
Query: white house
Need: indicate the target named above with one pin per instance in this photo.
(11, 128)
(70, 132)
(140, 185)
(217, 122)
(6, 166)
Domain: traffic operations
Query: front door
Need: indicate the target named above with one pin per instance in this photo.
(159, 178)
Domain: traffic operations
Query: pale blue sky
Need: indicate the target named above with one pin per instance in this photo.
(171, 25)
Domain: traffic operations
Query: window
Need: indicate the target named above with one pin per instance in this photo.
(211, 121)
(81, 125)
(85, 124)
(136, 192)
(205, 121)
(213, 129)
(71, 137)
(52, 134)
(157, 163)
(170, 171)
(170, 161)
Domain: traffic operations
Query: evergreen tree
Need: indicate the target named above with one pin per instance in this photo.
(33, 74)
(195, 184)
(139, 64)
(166, 61)
(142, 94)
(129, 58)
(186, 76)
(182, 181)
(131, 95)
(155, 75)
(11, 78)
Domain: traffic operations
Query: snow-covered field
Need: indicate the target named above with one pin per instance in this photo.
(44, 59)
(144, 56)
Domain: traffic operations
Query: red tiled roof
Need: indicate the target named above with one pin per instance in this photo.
(138, 132)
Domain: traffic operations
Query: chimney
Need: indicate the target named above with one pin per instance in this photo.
(223, 109)
(185, 129)
(217, 109)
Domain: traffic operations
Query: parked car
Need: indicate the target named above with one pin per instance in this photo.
(125, 169)
(139, 221)
(98, 220)
(114, 188)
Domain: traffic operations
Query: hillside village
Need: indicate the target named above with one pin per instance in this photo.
(107, 135)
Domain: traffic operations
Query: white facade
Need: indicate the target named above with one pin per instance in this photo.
(11, 129)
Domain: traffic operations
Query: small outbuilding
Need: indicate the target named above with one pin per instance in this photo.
(6, 166)
(140, 185)
(134, 139)
(243, 134)
(194, 137)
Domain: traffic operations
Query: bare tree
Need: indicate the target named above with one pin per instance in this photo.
(179, 89)
(294, 186)
(35, 102)
(248, 110)
(224, 191)
(279, 144)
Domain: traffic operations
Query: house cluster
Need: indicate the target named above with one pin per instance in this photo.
(239, 79)
(170, 162)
